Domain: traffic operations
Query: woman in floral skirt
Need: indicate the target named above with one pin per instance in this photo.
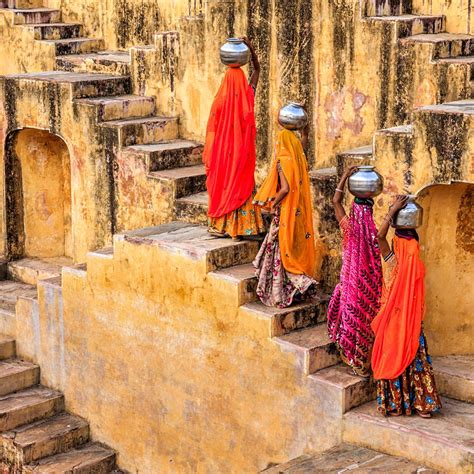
(400, 360)
(287, 259)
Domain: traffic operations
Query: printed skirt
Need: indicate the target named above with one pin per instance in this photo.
(244, 221)
(414, 390)
(276, 287)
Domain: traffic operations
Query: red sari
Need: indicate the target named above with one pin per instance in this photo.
(229, 156)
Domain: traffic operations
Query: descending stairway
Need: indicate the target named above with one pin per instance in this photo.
(348, 458)
(36, 434)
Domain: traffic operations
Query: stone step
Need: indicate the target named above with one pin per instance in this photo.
(55, 31)
(120, 107)
(349, 458)
(36, 15)
(11, 290)
(93, 458)
(16, 374)
(7, 348)
(31, 270)
(459, 107)
(192, 208)
(442, 442)
(344, 390)
(47, 437)
(81, 84)
(75, 45)
(455, 376)
(28, 406)
(357, 156)
(168, 155)
(195, 243)
(409, 25)
(285, 320)
(108, 62)
(188, 180)
(142, 131)
(445, 45)
(467, 60)
(243, 277)
(312, 348)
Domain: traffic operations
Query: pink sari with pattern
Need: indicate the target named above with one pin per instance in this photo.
(356, 299)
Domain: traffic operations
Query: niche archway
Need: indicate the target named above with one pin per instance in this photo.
(447, 242)
(38, 179)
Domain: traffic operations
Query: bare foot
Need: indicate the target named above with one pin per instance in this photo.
(424, 414)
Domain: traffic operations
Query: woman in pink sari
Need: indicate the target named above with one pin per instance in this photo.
(356, 299)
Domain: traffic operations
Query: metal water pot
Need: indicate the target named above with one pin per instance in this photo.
(293, 116)
(365, 182)
(410, 217)
(234, 53)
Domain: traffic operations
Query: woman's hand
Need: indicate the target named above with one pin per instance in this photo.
(349, 171)
(399, 203)
(273, 209)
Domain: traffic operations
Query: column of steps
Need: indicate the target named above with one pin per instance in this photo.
(36, 434)
(73, 51)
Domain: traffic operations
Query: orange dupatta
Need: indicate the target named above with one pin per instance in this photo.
(296, 235)
(397, 327)
(229, 153)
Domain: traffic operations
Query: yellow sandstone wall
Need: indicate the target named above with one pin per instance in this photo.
(173, 361)
(447, 239)
(46, 186)
(459, 13)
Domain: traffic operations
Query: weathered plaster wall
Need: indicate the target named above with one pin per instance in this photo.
(447, 239)
(459, 13)
(46, 192)
(124, 23)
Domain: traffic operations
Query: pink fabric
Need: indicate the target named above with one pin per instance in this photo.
(356, 299)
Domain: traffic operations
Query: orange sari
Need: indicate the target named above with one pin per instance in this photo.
(229, 153)
(296, 235)
(397, 326)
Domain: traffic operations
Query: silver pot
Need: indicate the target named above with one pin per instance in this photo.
(292, 116)
(410, 217)
(365, 182)
(234, 53)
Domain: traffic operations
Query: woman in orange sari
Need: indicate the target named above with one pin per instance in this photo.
(400, 360)
(229, 156)
(286, 261)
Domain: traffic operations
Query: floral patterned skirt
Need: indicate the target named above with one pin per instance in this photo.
(414, 390)
(276, 287)
(246, 220)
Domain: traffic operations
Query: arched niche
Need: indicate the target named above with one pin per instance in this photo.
(447, 242)
(38, 183)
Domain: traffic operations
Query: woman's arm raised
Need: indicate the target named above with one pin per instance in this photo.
(399, 203)
(338, 195)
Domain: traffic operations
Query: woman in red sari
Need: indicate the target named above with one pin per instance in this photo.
(229, 156)
(400, 360)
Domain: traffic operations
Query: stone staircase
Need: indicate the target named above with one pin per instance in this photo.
(349, 458)
(19, 279)
(421, 63)
(36, 434)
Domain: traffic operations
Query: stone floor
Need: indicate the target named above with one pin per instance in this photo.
(348, 458)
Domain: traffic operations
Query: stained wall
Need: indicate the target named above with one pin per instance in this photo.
(447, 240)
(46, 193)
